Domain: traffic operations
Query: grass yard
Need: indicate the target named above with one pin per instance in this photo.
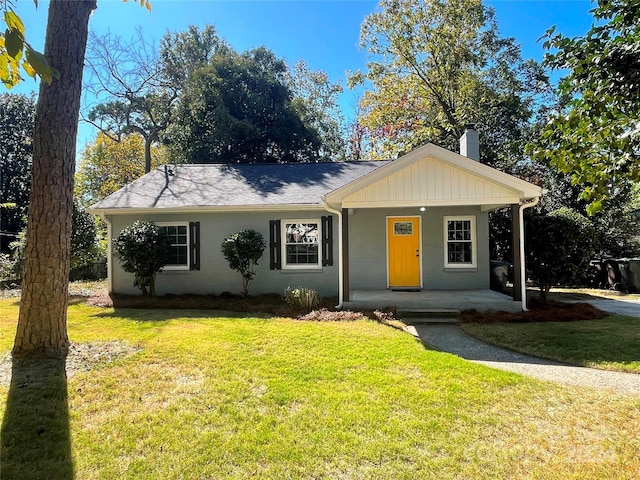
(611, 343)
(203, 397)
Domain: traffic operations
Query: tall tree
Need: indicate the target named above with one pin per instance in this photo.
(42, 322)
(107, 165)
(315, 98)
(17, 113)
(435, 66)
(135, 94)
(238, 109)
(596, 138)
(182, 53)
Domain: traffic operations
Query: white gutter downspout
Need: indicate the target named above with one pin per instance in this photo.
(340, 269)
(103, 216)
(523, 272)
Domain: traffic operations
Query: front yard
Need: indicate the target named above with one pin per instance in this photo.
(201, 396)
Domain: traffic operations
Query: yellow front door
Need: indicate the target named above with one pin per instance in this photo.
(403, 251)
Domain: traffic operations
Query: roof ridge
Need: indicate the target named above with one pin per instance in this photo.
(350, 162)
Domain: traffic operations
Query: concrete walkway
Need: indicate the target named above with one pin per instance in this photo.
(480, 300)
(620, 306)
(450, 338)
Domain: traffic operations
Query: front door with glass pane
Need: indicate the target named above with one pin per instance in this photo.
(403, 251)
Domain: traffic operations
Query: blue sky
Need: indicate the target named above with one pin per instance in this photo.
(322, 32)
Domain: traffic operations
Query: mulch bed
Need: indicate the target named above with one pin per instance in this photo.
(271, 304)
(549, 312)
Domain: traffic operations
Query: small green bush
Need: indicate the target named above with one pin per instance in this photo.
(304, 298)
(143, 250)
(243, 250)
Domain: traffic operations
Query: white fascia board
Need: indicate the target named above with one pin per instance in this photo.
(206, 209)
(492, 207)
(492, 203)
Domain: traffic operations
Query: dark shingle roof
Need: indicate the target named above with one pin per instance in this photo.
(213, 185)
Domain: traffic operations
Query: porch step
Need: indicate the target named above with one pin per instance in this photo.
(429, 313)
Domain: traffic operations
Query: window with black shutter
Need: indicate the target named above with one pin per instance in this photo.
(301, 243)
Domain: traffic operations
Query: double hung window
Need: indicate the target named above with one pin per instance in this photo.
(301, 243)
(178, 233)
(460, 242)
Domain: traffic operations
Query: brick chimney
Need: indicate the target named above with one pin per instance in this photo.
(470, 142)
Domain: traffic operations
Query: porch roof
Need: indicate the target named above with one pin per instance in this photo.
(433, 176)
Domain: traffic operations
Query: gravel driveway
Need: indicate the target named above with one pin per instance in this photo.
(450, 338)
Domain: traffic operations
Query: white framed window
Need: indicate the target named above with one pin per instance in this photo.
(178, 233)
(301, 243)
(460, 246)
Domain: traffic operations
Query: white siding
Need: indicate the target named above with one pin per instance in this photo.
(431, 182)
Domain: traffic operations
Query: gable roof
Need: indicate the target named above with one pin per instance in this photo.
(432, 175)
(217, 186)
(427, 176)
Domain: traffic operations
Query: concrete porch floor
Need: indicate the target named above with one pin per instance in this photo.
(433, 300)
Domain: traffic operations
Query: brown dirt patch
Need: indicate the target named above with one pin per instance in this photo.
(549, 312)
(82, 357)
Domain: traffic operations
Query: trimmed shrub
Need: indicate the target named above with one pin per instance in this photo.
(243, 250)
(143, 250)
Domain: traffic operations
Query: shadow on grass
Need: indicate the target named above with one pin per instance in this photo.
(35, 434)
(74, 300)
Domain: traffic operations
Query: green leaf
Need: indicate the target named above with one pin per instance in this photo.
(13, 43)
(41, 66)
(13, 21)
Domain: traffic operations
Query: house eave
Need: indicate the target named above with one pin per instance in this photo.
(485, 204)
(205, 209)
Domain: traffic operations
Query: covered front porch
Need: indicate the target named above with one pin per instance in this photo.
(421, 223)
(433, 301)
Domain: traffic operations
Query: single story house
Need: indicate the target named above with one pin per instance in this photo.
(419, 222)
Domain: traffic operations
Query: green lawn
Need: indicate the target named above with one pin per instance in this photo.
(277, 398)
(612, 343)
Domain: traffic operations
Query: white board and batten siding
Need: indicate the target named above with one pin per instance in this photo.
(431, 182)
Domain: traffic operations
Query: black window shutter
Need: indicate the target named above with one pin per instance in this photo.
(327, 241)
(275, 245)
(194, 245)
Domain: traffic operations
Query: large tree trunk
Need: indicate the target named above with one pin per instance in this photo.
(42, 323)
